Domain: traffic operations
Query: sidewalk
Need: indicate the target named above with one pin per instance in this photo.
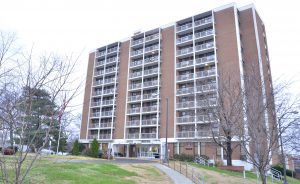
(174, 175)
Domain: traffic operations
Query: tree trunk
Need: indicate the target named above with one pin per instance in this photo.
(229, 151)
(11, 136)
(263, 177)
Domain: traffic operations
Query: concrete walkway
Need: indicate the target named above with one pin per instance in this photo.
(174, 175)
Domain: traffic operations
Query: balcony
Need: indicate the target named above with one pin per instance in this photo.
(104, 136)
(110, 70)
(93, 136)
(186, 134)
(111, 50)
(206, 59)
(189, 76)
(204, 33)
(100, 72)
(135, 86)
(134, 110)
(108, 91)
(151, 83)
(182, 105)
(134, 98)
(151, 59)
(98, 82)
(150, 108)
(185, 51)
(96, 114)
(150, 96)
(100, 54)
(148, 135)
(97, 93)
(107, 102)
(94, 104)
(204, 46)
(99, 63)
(186, 119)
(206, 73)
(205, 118)
(151, 71)
(137, 52)
(133, 123)
(107, 113)
(105, 125)
(183, 91)
(185, 64)
(206, 87)
(152, 37)
(111, 60)
(137, 42)
(203, 21)
(207, 133)
(133, 136)
(184, 27)
(136, 63)
(207, 103)
(184, 39)
(151, 48)
(135, 74)
(149, 122)
(110, 80)
(94, 125)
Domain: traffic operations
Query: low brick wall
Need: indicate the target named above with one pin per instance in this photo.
(233, 168)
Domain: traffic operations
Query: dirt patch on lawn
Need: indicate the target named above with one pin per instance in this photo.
(147, 174)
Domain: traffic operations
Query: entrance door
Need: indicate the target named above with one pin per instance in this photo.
(132, 150)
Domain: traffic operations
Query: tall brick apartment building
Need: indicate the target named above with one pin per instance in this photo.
(128, 83)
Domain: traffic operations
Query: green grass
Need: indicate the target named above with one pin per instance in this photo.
(151, 170)
(78, 173)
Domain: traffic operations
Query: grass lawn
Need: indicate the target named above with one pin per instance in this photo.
(78, 173)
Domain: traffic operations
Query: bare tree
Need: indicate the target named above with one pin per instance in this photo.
(49, 73)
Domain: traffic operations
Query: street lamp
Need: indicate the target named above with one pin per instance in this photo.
(281, 144)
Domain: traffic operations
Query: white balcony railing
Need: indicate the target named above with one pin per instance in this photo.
(206, 73)
(136, 86)
(105, 125)
(151, 71)
(111, 60)
(137, 52)
(207, 133)
(107, 102)
(187, 90)
(134, 98)
(185, 77)
(133, 123)
(203, 21)
(204, 118)
(96, 104)
(133, 135)
(204, 33)
(186, 119)
(206, 87)
(134, 110)
(150, 96)
(205, 59)
(186, 134)
(185, 63)
(150, 83)
(151, 59)
(204, 46)
(135, 74)
(148, 135)
(109, 70)
(107, 113)
(93, 136)
(110, 80)
(152, 37)
(137, 42)
(207, 102)
(108, 91)
(136, 63)
(151, 48)
(99, 72)
(104, 136)
(150, 108)
(185, 51)
(149, 122)
(94, 125)
(184, 27)
(100, 54)
(184, 39)
(189, 104)
(96, 114)
(112, 50)
(99, 63)
(98, 82)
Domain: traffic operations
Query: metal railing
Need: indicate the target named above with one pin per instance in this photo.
(96, 93)
(137, 52)
(96, 104)
(98, 63)
(185, 51)
(185, 77)
(206, 87)
(149, 122)
(184, 27)
(105, 125)
(136, 42)
(204, 46)
(150, 108)
(136, 63)
(188, 104)
(135, 74)
(99, 54)
(207, 102)
(133, 123)
(98, 82)
(186, 119)
(186, 134)
(151, 71)
(108, 91)
(151, 59)
(111, 60)
(204, 33)
(184, 39)
(148, 135)
(134, 98)
(133, 136)
(96, 114)
(150, 96)
(205, 59)
(104, 136)
(152, 37)
(185, 63)
(206, 73)
(99, 72)
(114, 49)
(203, 21)
(107, 113)
(93, 136)
(151, 48)
(107, 102)
(94, 125)
(151, 83)
(186, 90)
(135, 86)
(110, 80)
(134, 110)
(109, 70)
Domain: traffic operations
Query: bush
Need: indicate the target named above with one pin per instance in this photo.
(75, 150)
(184, 157)
(280, 168)
(94, 148)
(8, 151)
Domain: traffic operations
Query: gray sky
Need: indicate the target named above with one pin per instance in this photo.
(71, 26)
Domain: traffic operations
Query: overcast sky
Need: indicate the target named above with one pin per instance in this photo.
(70, 26)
